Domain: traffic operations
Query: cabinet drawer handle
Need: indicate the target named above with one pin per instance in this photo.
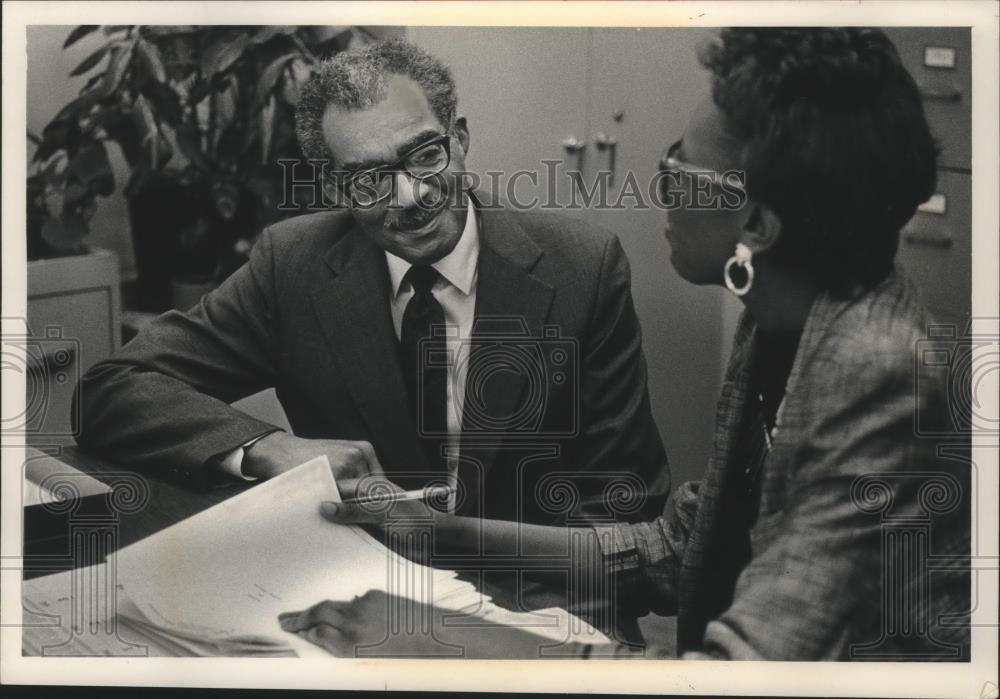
(933, 239)
(574, 146)
(941, 95)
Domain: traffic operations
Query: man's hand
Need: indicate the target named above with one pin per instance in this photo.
(361, 626)
(279, 451)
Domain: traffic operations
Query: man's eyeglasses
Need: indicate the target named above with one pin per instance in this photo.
(672, 169)
(368, 187)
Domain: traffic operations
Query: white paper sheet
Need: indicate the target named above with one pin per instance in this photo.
(230, 570)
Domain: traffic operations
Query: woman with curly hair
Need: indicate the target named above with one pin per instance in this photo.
(785, 549)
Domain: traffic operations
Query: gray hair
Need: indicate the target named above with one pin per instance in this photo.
(356, 79)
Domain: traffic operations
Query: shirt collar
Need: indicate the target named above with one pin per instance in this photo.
(458, 267)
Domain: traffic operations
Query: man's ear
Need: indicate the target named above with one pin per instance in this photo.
(761, 229)
(461, 128)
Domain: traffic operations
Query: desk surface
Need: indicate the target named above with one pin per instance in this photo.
(167, 503)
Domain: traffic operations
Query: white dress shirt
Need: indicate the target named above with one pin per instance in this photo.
(455, 290)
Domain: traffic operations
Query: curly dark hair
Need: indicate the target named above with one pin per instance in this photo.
(835, 143)
(356, 79)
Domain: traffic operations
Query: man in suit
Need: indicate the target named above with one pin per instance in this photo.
(417, 331)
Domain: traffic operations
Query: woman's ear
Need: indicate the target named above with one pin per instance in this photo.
(461, 128)
(761, 229)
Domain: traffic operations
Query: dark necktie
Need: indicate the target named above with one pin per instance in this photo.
(424, 367)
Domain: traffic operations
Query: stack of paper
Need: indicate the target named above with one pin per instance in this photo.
(214, 584)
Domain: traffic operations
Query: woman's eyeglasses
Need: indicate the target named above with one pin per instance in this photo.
(368, 187)
(673, 171)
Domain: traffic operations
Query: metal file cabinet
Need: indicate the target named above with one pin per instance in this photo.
(935, 247)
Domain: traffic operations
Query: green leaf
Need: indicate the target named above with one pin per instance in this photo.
(266, 129)
(90, 61)
(103, 184)
(55, 169)
(120, 60)
(170, 29)
(64, 232)
(320, 34)
(150, 57)
(75, 194)
(79, 106)
(189, 141)
(149, 134)
(198, 91)
(269, 77)
(54, 200)
(78, 33)
(143, 115)
(292, 86)
(221, 54)
(59, 134)
(268, 33)
(91, 167)
(225, 105)
(92, 80)
(165, 102)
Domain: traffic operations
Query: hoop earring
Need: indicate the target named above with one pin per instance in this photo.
(742, 260)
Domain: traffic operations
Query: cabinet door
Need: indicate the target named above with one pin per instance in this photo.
(935, 248)
(939, 59)
(645, 84)
(523, 91)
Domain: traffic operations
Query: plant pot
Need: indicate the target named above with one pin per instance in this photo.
(185, 295)
(159, 207)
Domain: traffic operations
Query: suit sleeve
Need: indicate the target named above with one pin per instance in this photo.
(162, 402)
(617, 431)
(818, 587)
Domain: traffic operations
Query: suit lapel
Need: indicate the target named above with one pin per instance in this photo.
(353, 311)
(510, 301)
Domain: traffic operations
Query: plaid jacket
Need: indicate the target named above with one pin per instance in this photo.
(859, 549)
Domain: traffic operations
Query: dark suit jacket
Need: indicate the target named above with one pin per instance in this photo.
(860, 548)
(309, 315)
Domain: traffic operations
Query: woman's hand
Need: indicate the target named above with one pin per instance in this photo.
(397, 519)
(368, 510)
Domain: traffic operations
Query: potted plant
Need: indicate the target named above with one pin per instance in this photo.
(73, 294)
(202, 115)
(69, 171)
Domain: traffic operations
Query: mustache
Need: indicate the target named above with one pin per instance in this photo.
(411, 218)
